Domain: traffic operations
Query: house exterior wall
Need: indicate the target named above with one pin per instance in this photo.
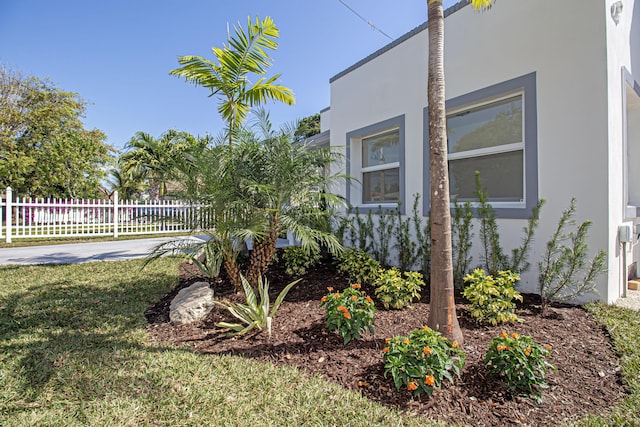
(565, 46)
(622, 65)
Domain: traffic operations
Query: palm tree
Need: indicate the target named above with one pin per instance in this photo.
(154, 160)
(442, 313)
(126, 184)
(228, 77)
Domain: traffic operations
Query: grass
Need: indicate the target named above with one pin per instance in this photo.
(74, 351)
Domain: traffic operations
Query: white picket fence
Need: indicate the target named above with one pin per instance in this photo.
(24, 218)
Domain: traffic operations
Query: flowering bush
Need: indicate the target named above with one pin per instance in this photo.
(298, 260)
(421, 360)
(395, 291)
(492, 298)
(520, 362)
(350, 312)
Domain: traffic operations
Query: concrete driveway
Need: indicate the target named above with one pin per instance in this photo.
(83, 252)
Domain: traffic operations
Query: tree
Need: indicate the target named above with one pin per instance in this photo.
(307, 127)
(44, 148)
(442, 313)
(156, 160)
(246, 54)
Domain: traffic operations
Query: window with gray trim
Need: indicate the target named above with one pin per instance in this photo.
(493, 131)
(376, 160)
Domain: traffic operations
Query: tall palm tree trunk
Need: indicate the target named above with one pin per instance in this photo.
(442, 313)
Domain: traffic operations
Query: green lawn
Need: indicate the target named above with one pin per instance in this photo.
(73, 351)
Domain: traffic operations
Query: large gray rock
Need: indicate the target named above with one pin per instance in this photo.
(191, 304)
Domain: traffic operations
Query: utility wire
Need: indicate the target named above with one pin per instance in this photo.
(365, 20)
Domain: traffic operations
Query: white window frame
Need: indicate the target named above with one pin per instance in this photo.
(497, 149)
(355, 188)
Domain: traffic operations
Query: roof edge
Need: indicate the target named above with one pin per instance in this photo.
(456, 7)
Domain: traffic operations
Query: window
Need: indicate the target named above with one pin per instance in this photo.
(376, 160)
(381, 168)
(488, 139)
(493, 131)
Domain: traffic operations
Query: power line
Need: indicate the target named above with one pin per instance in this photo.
(365, 20)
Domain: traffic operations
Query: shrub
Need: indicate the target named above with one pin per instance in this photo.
(358, 266)
(421, 360)
(349, 313)
(298, 260)
(395, 291)
(255, 313)
(520, 362)
(565, 272)
(492, 298)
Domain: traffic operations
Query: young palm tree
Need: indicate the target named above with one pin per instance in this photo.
(442, 313)
(245, 54)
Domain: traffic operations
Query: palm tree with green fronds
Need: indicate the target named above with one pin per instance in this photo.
(228, 75)
(442, 313)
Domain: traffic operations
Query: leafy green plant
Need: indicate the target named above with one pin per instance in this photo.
(423, 236)
(422, 360)
(492, 298)
(406, 247)
(563, 263)
(461, 235)
(358, 266)
(208, 260)
(493, 256)
(381, 242)
(350, 313)
(257, 313)
(297, 260)
(520, 362)
(395, 291)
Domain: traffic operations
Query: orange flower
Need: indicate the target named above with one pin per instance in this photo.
(527, 351)
(426, 329)
(353, 297)
(347, 315)
(502, 347)
(385, 350)
(368, 298)
(356, 286)
(427, 350)
(515, 336)
(330, 289)
(406, 342)
(412, 386)
(324, 299)
(342, 308)
(504, 334)
(387, 340)
(548, 347)
(430, 380)
(455, 344)
(336, 295)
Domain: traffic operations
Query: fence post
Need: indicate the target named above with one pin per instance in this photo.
(115, 214)
(9, 214)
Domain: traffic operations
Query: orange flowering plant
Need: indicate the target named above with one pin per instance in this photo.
(520, 362)
(349, 312)
(420, 361)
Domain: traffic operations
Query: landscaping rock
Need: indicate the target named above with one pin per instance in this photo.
(191, 304)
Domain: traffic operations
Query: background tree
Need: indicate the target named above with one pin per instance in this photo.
(307, 127)
(442, 308)
(45, 149)
(228, 76)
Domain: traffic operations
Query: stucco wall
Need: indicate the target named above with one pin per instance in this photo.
(564, 45)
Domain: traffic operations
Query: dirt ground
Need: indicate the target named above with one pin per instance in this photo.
(587, 379)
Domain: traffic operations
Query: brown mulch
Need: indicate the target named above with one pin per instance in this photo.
(587, 380)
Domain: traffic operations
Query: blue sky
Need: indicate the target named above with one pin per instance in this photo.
(117, 54)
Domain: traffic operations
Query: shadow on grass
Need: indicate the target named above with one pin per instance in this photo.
(76, 331)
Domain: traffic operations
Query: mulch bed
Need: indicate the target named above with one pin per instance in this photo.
(587, 380)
